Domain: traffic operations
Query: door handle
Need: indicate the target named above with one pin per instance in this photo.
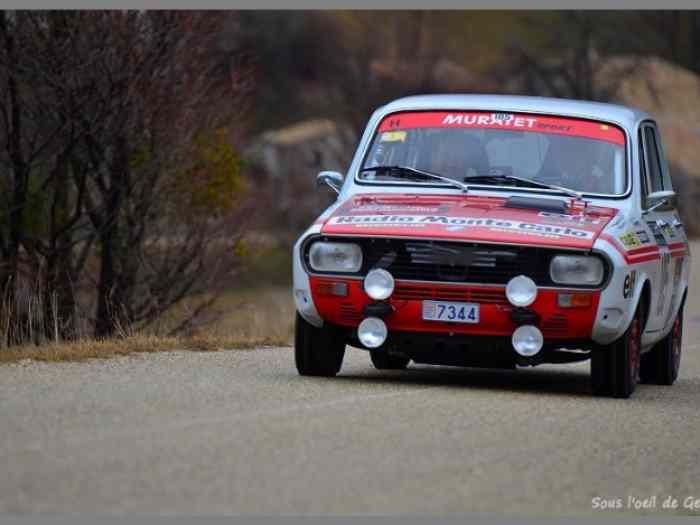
(676, 223)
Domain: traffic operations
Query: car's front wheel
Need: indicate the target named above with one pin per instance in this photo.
(317, 351)
(660, 365)
(615, 367)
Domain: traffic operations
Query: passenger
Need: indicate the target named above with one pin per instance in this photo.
(457, 155)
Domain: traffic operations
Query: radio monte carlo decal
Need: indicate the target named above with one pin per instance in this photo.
(467, 218)
(494, 224)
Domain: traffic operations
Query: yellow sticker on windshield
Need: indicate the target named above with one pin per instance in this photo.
(393, 136)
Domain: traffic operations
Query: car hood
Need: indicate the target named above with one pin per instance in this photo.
(469, 218)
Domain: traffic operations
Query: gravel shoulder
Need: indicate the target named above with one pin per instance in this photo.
(238, 432)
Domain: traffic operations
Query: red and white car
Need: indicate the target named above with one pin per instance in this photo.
(499, 231)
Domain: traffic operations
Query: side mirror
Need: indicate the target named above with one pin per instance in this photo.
(330, 178)
(659, 198)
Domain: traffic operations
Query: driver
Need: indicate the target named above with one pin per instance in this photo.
(457, 155)
(574, 162)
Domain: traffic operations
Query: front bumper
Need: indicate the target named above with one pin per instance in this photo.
(556, 323)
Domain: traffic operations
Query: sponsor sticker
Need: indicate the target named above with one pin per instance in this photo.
(393, 136)
(669, 231)
(564, 218)
(643, 236)
(493, 120)
(629, 240)
(510, 226)
(513, 121)
(628, 286)
(388, 208)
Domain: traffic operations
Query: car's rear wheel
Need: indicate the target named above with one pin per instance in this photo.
(317, 351)
(660, 365)
(382, 360)
(615, 367)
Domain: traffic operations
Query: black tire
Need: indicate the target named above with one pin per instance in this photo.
(615, 367)
(317, 351)
(660, 365)
(382, 360)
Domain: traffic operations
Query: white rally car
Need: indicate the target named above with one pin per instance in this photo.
(499, 231)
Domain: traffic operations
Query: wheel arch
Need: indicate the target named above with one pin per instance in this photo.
(681, 303)
(685, 296)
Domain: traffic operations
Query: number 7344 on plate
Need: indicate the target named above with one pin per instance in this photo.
(451, 311)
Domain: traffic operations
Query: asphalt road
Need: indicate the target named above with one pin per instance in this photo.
(239, 432)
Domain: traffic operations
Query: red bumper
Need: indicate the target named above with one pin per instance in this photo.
(556, 323)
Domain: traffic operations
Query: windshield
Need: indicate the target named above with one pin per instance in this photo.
(582, 155)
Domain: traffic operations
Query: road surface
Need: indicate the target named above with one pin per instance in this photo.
(240, 432)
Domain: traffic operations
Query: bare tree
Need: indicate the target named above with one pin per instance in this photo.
(572, 50)
(39, 211)
(100, 125)
(160, 84)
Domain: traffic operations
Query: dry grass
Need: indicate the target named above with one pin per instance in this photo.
(251, 313)
(245, 319)
(255, 313)
(91, 348)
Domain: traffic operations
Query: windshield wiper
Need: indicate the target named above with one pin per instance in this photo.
(414, 173)
(534, 183)
(409, 172)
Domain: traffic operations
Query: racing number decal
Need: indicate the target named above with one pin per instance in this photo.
(628, 286)
(677, 271)
(502, 116)
(665, 277)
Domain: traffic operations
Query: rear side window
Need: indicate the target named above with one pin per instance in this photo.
(653, 157)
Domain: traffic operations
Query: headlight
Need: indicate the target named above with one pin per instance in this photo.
(521, 291)
(379, 284)
(576, 269)
(527, 340)
(372, 332)
(335, 257)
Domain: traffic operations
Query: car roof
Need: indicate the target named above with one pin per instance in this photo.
(623, 115)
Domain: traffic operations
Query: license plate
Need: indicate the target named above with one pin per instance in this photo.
(450, 311)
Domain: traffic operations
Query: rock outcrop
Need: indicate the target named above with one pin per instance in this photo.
(671, 95)
(287, 160)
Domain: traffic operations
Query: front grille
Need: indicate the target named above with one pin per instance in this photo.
(556, 325)
(423, 292)
(415, 260)
(452, 262)
(349, 314)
